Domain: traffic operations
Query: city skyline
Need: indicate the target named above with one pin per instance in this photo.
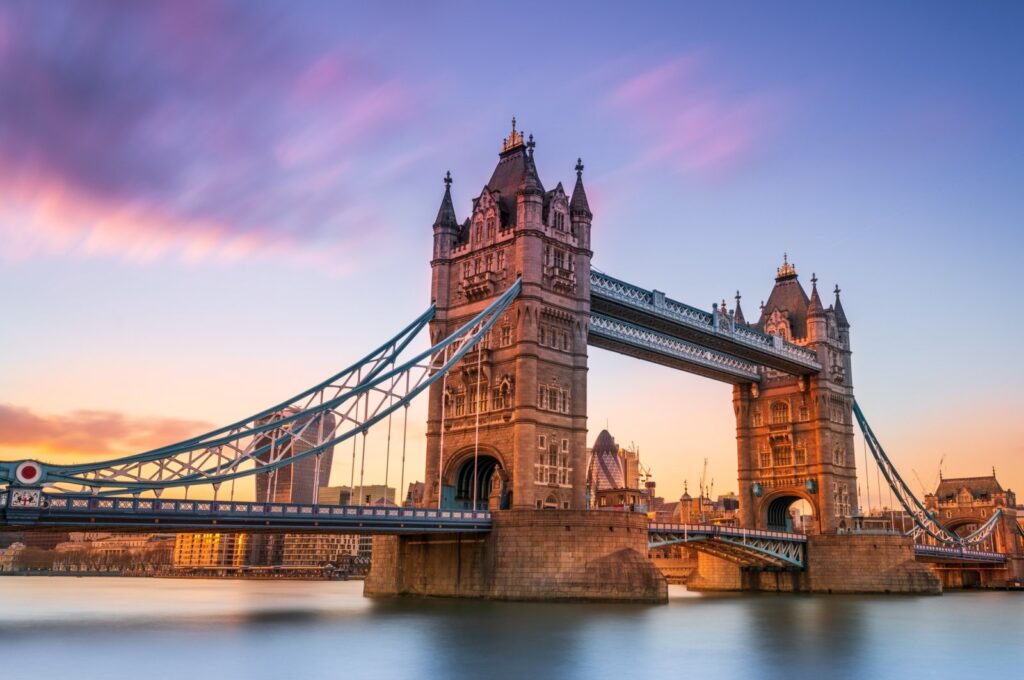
(301, 168)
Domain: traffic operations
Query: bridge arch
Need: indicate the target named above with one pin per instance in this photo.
(459, 478)
(774, 512)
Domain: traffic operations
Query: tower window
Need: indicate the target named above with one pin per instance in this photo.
(560, 259)
(559, 221)
(780, 413)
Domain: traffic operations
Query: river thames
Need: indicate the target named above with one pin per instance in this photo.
(166, 628)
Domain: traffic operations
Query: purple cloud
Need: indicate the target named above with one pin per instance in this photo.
(194, 128)
(685, 123)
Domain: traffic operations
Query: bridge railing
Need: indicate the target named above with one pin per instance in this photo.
(718, 530)
(633, 295)
(99, 504)
(958, 552)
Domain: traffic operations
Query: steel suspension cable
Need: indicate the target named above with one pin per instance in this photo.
(440, 446)
(405, 431)
(387, 454)
(476, 433)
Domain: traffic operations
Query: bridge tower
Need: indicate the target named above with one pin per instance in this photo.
(795, 434)
(513, 413)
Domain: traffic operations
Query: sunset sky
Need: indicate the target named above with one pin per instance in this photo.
(208, 206)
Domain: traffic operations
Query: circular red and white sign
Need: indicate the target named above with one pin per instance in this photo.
(29, 472)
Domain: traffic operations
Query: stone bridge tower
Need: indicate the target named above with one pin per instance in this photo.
(512, 414)
(795, 434)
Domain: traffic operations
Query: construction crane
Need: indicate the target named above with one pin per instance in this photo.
(703, 476)
(924, 490)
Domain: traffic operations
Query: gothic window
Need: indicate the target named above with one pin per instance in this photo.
(543, 335)
(837, 410)
(766, 459)
(552, 466)
(800, 455)
(478, 265)
(542, 397)
(565, 341)
(805, 414)
(782, 450)
(560, 259)
(755, 418)
(506, 336)
(467, 269)
(542, 442)
(841, 494)
(559, 221)
(501, 260)
(490, 262)
(780, 412)
(460, 404)
(839, 454)
(490, 228)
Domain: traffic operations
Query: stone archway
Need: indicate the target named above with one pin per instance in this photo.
(467, 471)
(775, 512)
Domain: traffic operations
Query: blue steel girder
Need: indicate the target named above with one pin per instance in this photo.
(106, 513)
(334, 411)
(642, 343)
(651, 309)
(746, 547)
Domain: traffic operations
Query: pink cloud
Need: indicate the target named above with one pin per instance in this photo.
(26, 433)
(687, 124)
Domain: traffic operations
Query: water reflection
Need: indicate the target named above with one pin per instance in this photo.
(112, 628)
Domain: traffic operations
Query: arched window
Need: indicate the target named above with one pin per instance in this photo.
(780, 412)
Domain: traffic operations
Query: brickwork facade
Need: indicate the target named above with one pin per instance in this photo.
(524, 390)
(794, 434)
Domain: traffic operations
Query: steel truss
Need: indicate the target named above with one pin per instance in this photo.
(323, 416)
(925, 523)
(747, 547)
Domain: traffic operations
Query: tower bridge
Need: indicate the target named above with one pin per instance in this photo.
(514, 306)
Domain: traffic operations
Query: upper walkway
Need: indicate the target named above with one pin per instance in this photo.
(648, 325)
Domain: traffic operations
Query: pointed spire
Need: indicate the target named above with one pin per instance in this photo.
(446, 213)
(840, 314)
(578, 203)
(739, 311)
(531, 180)
(814, 307)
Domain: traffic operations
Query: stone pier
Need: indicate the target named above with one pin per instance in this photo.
(549, 555)
(836, 563)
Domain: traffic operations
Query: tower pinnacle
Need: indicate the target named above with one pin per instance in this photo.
(514, 139)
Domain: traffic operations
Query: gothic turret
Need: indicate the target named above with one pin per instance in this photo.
(817, 321)
(579, 209)
(739, 312)
(840, 314)
(446, 225)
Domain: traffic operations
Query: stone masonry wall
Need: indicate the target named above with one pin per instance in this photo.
(836, 563)
(530, 555)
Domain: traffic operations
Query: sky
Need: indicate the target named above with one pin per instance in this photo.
(206, 206)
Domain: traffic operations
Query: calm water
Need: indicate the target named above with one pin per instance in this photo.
(161, 628)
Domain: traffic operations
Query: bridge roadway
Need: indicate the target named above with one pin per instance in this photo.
(648, 325)
(775, 549)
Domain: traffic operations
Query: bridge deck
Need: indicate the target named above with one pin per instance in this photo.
(137, 514)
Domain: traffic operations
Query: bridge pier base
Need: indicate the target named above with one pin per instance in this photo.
(836, 563)
(539, 555)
